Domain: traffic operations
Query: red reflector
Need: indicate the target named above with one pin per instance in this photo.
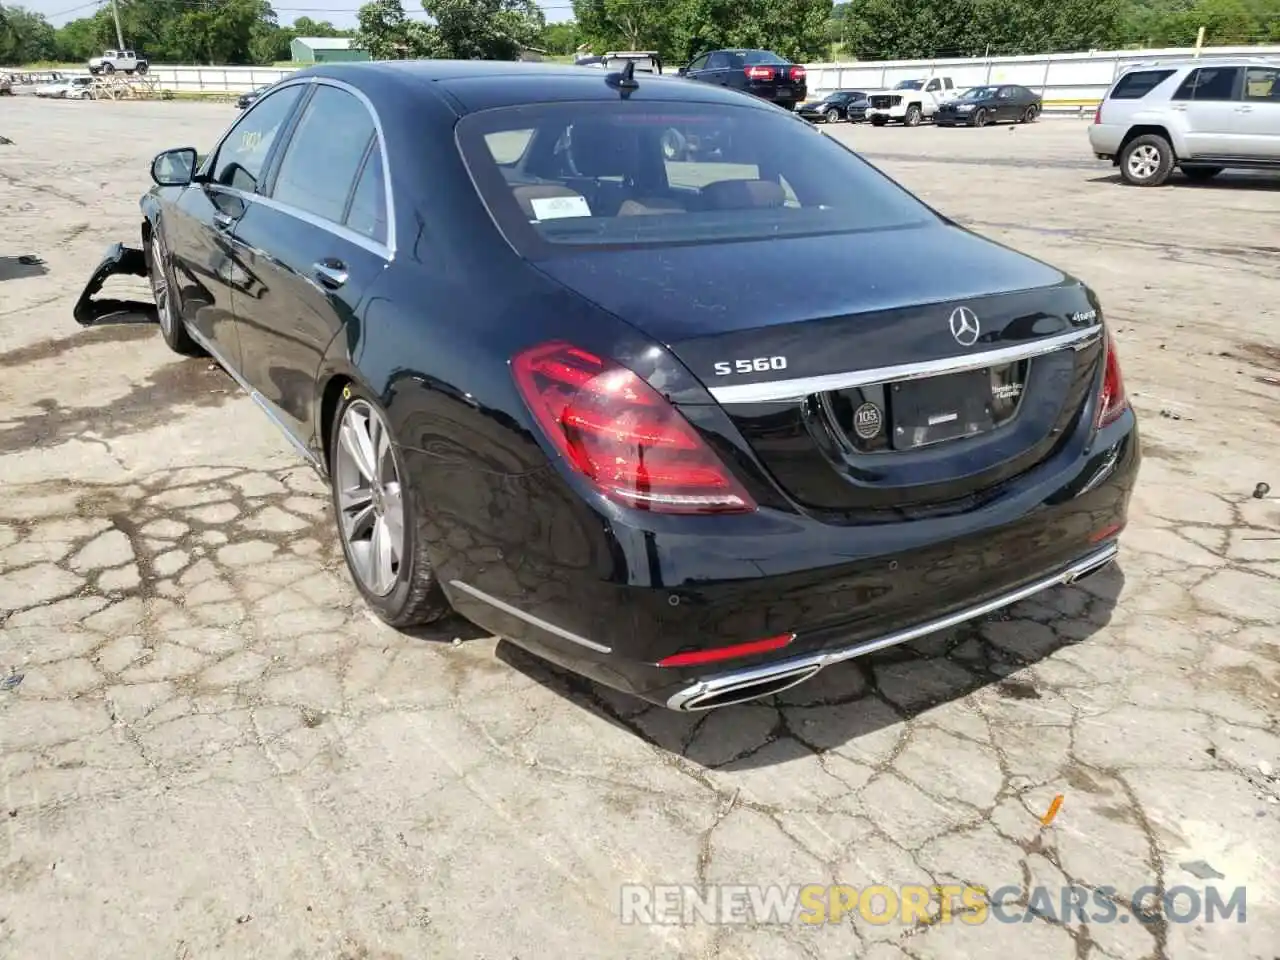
(695, 657)
(622, 435)
(760, 73)
(1105, 532)
(1112, 400)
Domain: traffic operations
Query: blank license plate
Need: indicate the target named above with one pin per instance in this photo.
(783, 92)
(940, 408)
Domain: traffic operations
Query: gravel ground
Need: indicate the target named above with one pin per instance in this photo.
(209, 749)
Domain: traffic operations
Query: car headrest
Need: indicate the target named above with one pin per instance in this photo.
(648, 206)
(603, 149)
(743, 194)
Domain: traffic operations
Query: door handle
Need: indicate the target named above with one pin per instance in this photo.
(1244, 109)
(1181, 107)
(330, 273)
(222, 221)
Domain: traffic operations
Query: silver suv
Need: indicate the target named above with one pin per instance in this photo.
(1201, 116)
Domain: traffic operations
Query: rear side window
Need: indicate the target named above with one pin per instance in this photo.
(609, 174)
(324, 154)
(368, 213)
(1262, 83)
(1138, 83)
(1209, 83)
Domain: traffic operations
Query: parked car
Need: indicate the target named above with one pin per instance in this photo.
(1201, 116)
(73, 88)
(245, 99)
(848, 105)
(979, 106)
(661, 452)
(910, 101)
(118, 61)
(6, 85)
(761, 73)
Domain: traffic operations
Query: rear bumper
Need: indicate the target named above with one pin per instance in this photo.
(609, 601)
(737, 686)
(1105, 140)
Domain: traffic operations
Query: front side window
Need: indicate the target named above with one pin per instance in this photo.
(934, 85)
(698, 63)
(243, 154)
(609, 174)
(1137, 84)
(324, 155)
(1209, 83)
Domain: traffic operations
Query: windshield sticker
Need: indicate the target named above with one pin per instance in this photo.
(558, 208)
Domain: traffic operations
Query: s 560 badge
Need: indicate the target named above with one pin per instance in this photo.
(754, 365)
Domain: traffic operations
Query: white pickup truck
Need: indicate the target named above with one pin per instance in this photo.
(910, 101)
(111, 61)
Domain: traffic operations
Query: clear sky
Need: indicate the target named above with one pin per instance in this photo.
(341, 13)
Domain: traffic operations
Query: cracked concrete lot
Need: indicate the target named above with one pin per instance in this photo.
(209, 749)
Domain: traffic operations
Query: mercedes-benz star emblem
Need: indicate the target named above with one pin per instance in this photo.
(964, 326)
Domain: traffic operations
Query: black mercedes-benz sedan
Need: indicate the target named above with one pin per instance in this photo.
(979, 106)
(682, 426)
(837, 105)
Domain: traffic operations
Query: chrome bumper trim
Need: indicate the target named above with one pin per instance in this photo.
(723, 684)
(529, 618)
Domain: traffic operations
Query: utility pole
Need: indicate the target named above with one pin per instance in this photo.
(1199, 41)
(115, 12)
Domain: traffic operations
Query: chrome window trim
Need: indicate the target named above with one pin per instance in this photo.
(785, 391)
(385, 250)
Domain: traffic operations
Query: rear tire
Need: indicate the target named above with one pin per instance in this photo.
(142, 68)
(1201, 174)
(172, 327)
(1029, 116)
(1146, 161)
(372, 496)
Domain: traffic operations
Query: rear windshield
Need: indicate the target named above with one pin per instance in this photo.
(1136, 85)
(750, 57)
(627, 173)
(909, 85)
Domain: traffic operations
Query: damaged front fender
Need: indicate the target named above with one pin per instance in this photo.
(119, 260)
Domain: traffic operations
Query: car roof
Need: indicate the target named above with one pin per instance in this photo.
(1208, 61)
(471, 85)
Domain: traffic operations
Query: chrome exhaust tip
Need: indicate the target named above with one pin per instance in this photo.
(710, 694)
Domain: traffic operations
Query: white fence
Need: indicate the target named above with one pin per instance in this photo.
(1065, 80)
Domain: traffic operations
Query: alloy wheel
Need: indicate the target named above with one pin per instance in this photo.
(370, 498)
(980, 118)
(1144, 161)
(833, 115)
(160, 287)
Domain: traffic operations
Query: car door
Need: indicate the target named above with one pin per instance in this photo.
(1257, 118)
(1007, 104)
(1206, 101)
(198, 228)
(719, 70)
(316, 242)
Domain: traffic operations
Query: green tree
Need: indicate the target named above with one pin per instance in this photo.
(485, 29)
(626, 24)
(306, 27)
(560, 38)
(388, 34)
(26, 37)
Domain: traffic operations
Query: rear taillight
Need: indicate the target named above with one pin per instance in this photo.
(798, 73)
(1097, 114)
(1112, 400)
(622, 435)
(759, 73)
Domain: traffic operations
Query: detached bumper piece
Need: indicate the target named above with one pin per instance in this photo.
(119, 260)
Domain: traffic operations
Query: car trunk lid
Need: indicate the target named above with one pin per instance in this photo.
(911, 369)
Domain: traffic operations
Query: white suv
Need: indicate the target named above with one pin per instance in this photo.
(1201, 116)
